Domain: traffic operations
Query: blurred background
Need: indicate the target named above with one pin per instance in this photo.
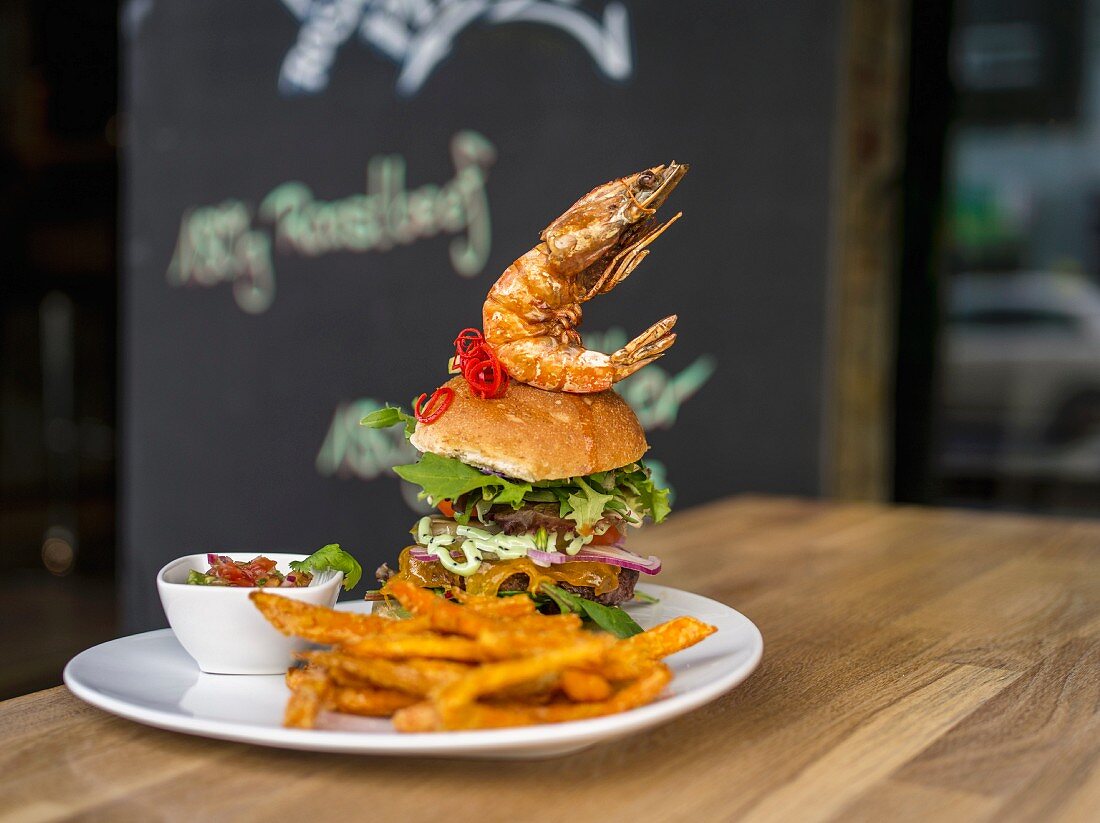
(230, 230)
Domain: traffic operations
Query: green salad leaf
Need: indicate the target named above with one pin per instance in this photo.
(444, 478)
(628, 492)
(331, 557)
(390, 416)
(611, 619)
(586, 507)
(641, 494)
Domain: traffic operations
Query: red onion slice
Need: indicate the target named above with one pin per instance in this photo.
(604, 554)
(541, 558)
(620, 557)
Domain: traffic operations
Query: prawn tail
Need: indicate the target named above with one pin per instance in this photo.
(645, 348)
(548, 363)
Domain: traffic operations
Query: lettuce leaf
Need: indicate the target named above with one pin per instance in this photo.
(444, 478)
(587, 507)
(628, 491)
(331, 557)
(642, 495)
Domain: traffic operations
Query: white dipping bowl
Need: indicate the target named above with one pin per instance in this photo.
(222, 629)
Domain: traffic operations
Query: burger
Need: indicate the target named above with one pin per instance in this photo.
(531, 461)
(535, 492)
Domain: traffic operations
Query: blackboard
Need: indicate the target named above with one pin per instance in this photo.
(319, 194)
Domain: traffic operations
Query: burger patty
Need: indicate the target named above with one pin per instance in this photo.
(623, 592)
(530, 518)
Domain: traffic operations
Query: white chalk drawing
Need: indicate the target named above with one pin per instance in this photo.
(418, 35)
(233, 242)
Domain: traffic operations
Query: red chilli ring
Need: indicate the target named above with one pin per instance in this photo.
(467, 342)
(481, 368)
(433, 409)
(487, 377)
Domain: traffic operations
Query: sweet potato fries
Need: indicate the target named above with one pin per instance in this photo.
(487, 663)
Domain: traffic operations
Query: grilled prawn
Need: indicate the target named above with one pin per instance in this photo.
(532, 312)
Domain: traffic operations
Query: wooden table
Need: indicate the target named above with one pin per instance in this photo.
(919, 664)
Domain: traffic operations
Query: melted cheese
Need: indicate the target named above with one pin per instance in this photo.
(602, 577)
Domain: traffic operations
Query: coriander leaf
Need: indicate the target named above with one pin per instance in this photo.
(331, 557)
(611, 619)
(390, 416)
(444, 478)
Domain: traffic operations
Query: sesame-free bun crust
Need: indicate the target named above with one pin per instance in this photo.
(531, 434)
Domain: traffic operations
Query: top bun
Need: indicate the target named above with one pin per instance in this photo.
(531, 434)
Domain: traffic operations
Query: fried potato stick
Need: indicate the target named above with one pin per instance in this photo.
(471, 666)
(417, 677)
(540, 690)
(629, 657)
(514, 606)
(509, 642)
(295, 676)
(314, 688)
(310, 690)
(453, 698)
(516, 612)
(585, 687)
(426, 717)
(545, 622)
(368, 702)
(451, 618)
(321, 625)
(432, 646)
(670, 637)
(442, 616)
(420, 717)
(639, 692)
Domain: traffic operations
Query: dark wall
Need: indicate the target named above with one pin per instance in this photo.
(277, 286)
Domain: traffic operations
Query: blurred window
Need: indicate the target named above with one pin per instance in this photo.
(1026, 319)
(1019, 388)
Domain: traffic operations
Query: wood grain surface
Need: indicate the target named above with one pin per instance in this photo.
(919, 664)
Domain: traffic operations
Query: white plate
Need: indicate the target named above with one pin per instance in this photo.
(151, 679)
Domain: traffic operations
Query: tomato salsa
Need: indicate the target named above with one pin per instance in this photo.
(259, 572)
